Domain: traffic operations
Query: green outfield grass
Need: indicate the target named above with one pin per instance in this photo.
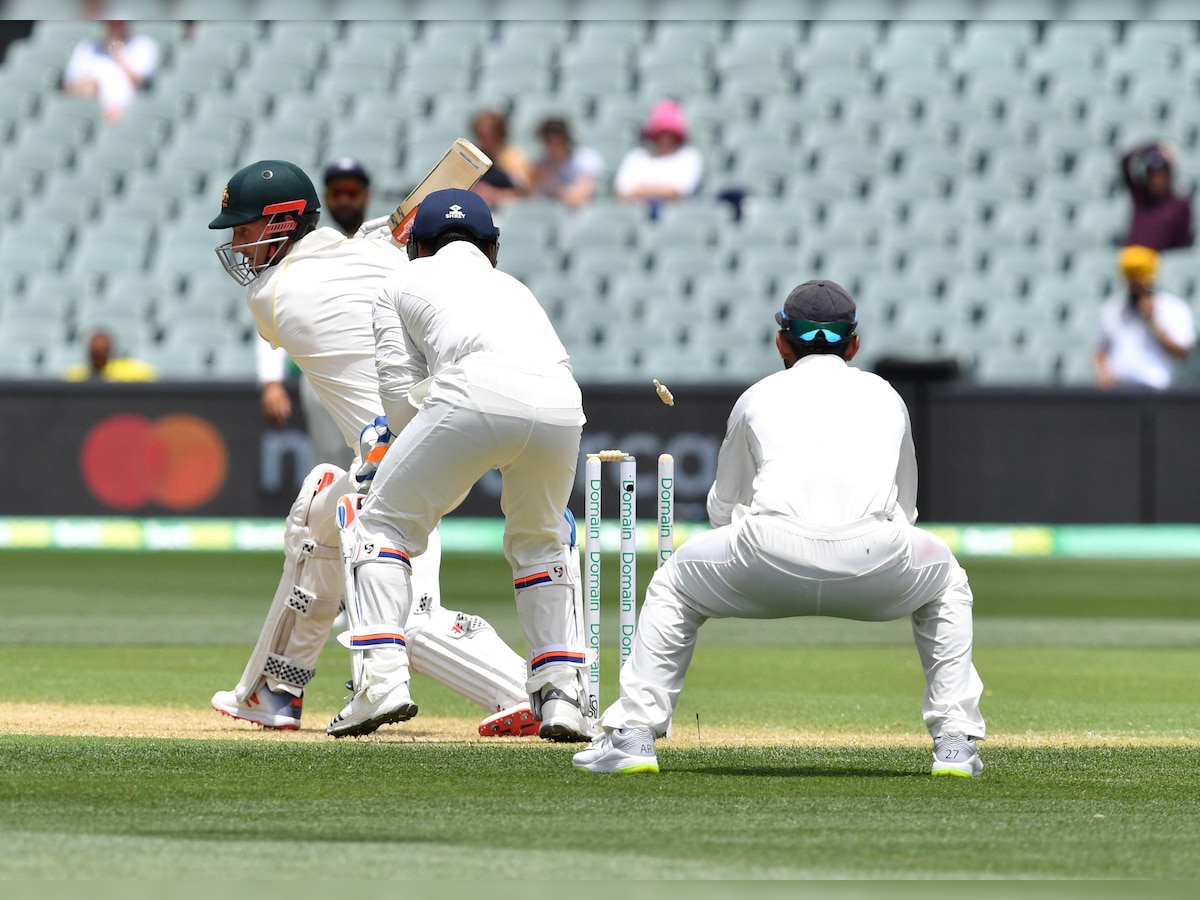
(799, 749)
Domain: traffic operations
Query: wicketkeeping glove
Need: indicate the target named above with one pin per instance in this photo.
(373, 443)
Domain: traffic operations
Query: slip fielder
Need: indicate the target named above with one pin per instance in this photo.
(813, 508)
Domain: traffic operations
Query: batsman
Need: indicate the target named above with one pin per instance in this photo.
(311, 291)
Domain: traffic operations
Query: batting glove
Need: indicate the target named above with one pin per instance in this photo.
(375, 229)
(373, 443)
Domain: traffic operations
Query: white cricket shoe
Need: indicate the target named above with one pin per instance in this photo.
(622, 751)
(515, 721)
(270, 709)
(372, 707)
(562, 719)
(957, 755)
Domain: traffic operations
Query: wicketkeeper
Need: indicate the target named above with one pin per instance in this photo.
(472, 377)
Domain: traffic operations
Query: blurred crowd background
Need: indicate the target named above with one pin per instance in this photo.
(661, 184)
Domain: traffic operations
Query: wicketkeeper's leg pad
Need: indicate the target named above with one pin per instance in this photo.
(380, 586)
(306, 600)
(551, 614)
(465, 653)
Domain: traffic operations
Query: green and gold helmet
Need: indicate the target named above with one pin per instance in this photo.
(270, 188)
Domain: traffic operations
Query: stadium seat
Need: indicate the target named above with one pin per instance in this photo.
(529, 260)
(534, 221)
(688, 223)
(700, 34)
(602, 223)
(177, 361)
(916, 35)
(1014, 366)
(941, 224)
(778, 266)
(1069, 47)
(673, 78)
(24, 325)
(745, 88)
(762, 167)
(447, 38)
(821, 87)
(597, 33)
(530, 109)
(1153, 41)
(766, 64)
(530, 33)
(843, 45)
(978, 36)
(509, 70)
(620, 116)
(748, 37)
(428, 79)
(682, 262)
(767, 221)
(604, 73)
(18, 360)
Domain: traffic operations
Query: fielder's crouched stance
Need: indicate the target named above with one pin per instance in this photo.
(458, 650)
(814, 514)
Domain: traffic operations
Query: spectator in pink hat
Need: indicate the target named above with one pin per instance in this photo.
(668, 168)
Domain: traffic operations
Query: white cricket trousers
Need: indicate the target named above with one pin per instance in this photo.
(772, 567)
(444, 450)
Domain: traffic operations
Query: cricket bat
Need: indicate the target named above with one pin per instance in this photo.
(462, 166)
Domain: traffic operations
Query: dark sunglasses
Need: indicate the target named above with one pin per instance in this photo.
(808, 331)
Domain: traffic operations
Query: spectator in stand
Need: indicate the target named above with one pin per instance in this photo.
(669, 169)
(565, 171)
(1162, 218)
(101, 366)
(347, 194)
(112, 70)
(509, 176)
(1143, 331)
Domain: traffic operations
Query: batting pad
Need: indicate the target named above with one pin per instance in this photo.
(465, 653)
(306, 601)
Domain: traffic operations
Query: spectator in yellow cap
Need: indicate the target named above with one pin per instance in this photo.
(1144, 332)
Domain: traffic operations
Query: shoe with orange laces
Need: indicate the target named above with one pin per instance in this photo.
(270, 709)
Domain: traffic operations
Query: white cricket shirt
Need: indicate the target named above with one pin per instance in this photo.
(822, 442)
(316, 304)
(467, 327)
(1133, 354)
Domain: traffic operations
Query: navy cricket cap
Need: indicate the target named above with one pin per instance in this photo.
(454, 209)
(347, 167)
(823, 308)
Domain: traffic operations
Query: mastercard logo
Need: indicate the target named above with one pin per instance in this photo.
(129, 461)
